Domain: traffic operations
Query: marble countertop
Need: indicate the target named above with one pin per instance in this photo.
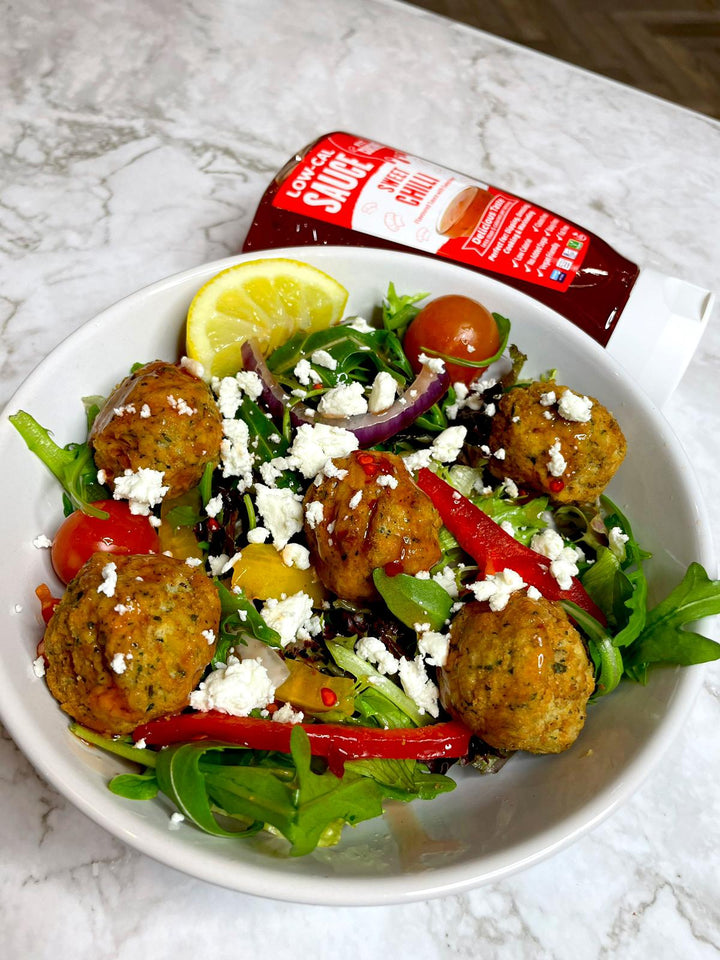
(137, 140)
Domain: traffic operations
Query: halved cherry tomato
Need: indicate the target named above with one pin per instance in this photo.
(81, 535)
(456, 326)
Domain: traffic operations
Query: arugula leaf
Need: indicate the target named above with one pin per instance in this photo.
(72, 465)
(413, 601)
(399, 312)
(402, 779)
(606, 657)
(526, 518)
(664, 638)
(135, 786)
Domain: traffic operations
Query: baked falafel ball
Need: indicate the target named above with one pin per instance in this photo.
(373, 514)
(130, 639)
(550, 450)
(519, 678)
(159, 418)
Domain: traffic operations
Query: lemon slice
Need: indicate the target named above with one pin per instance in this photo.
(269, 300)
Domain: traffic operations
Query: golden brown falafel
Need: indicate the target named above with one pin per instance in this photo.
(160, 418)
(519, 678)
(536, 439)
(130, 639)
(373, 515)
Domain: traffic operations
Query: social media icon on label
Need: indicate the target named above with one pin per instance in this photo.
(569, 254)
(565, 264)
(558, 275)
(574, 244)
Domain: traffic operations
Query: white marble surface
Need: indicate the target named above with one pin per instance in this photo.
(137, 139)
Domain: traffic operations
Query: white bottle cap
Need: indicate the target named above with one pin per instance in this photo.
(659, 330)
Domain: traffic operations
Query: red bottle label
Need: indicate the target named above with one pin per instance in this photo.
(364, 186)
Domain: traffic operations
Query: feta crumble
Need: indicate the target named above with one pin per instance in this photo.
(237, 687)
(258, 535)
(557, 464)
(303, 371)
(118, 663)
(39, 667)
(175, 820)
(193, 367)
(143, 489)
(448, 444)
(563, 559)
(109, 580)
(295, 555)
(291, 617)
(382, 392)
(547, 399)
(575, 408)
(41, 542)
(497, 588)
(433, 647)
(354, 501)
(282, 511)
(316, 443)
(145, 411)
(345, 400)
(181, 406)
(288, 714)
(436, 364)
(374, 651)
(237, 460)
(214, 506)
(209, 636)
(314, 514)
(418, 686)
(387, 480)
(321, 358)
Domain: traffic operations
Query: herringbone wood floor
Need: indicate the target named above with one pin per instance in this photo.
(666, 47)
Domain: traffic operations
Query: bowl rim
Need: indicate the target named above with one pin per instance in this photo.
(332, 890)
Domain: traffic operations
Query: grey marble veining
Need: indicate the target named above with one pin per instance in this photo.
(136, 140)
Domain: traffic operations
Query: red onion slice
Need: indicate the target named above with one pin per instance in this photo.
(369, 428)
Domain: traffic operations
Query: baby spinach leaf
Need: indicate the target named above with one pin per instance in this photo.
(135, 786)
(413, 601)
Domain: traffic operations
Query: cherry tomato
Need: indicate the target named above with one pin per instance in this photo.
(80, 536)
(456, 326)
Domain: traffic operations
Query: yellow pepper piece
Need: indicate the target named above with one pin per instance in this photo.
(263, 575)
(314, 692)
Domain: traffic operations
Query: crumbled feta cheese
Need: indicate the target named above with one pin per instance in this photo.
(354, 501)
(217, 564)
(547, 399)
(229, 396)
(470, 348)
(237, 460)
(258, 535)
(193, 562)
(563, 559)
(209, 635)
(249, 383)
(175, 820)
(548, 415)
(433, 647)
(573, 407)
(181, 406)
(193, 367)
(616, 541)
(416, 461)
(142, 489)
(314, 513)
(282, 511)
(448, 444)
(295, 555)
(387, 480)
(303, 371)
(434, 363)
(101, 477)
(510, 488)
(290, 617)
(126, 408)
(345, 400)
(322, 358)
(497, 588)
(109, 580)
(41, 542)
(39, 667)
(533, 593)
(382, 393)
(214, 506)
(140, 744)
(557, 465)
(490, 410)
(330, 470)
(288, 714)
(374, 651)
(360, 324)
(316, 443)
(447, 580)
(236, 687)
(123, 608)
(145, 412)
(118, 663)
(422, 575)
(500, 454)
(418, 686)
(507, 527)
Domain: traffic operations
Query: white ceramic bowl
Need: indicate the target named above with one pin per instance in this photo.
(489, 826)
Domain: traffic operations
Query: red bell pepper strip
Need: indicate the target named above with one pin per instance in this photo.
(335, 742)
(493, 549)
